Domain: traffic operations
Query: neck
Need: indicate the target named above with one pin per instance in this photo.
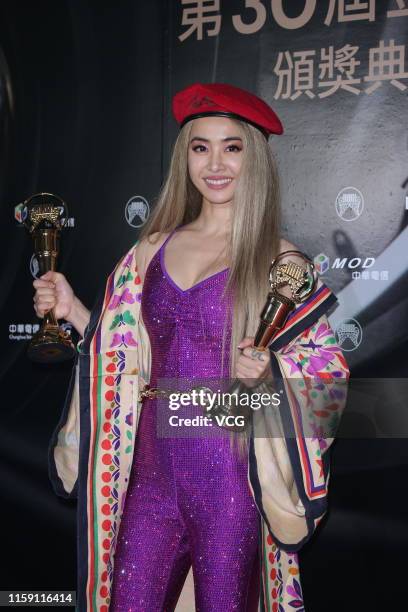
(214, 219)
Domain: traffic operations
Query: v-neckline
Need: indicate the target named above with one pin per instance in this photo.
(171, 281)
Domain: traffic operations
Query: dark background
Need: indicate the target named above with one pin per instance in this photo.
(85, 93)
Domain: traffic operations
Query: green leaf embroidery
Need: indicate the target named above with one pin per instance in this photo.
(128, 318)
(115, 322)
(124, 278)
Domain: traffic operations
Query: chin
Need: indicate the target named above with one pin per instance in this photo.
(219, 198)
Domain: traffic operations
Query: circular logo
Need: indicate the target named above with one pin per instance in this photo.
(34, 266)
(349, 334)
(349, 204)
(137, 211)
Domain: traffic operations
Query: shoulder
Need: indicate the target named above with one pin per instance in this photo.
(146, 248)
(285, 245)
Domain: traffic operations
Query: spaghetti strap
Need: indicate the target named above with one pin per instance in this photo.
(168, 238)
(159, 253)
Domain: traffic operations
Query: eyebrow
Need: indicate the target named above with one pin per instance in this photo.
(223, 140)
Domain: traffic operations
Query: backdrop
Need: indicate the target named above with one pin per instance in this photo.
(85, 94)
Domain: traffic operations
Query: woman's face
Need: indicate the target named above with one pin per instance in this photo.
(215, 154)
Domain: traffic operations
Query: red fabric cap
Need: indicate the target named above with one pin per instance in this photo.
(203, 99)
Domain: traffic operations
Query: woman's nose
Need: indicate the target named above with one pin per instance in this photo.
(215, 160)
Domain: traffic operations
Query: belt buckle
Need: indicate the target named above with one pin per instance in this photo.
(154, 392)
(147, 391)
(151, 393)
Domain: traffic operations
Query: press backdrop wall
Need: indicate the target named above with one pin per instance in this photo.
(85, 93)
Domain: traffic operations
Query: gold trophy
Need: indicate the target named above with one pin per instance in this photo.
(44, 216)
(301, 283)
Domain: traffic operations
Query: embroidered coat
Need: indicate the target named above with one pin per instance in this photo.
(91, 450)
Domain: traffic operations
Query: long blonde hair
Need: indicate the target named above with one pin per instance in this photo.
(254, 237)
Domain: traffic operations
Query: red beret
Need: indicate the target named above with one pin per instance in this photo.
(205, 99)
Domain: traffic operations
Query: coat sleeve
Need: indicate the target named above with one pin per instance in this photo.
(290, 443)
(63, 450)
(65, 444)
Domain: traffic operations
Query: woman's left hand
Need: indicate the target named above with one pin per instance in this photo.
(253, 365)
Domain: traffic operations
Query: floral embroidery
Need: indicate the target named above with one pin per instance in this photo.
(110, 448)
(125, 340)
(124, 297)
(295, 591)
(124, 279)
(282, 577)
(116, 431)
(125, 318)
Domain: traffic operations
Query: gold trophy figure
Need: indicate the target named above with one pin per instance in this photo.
(300, 283)
(44, 216)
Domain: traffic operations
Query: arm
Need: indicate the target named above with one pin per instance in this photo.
(79, 316)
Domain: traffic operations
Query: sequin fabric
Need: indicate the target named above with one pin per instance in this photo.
(188, 500)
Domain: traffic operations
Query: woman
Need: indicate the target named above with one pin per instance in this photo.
(202, 263)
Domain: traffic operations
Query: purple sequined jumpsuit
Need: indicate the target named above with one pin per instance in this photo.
(188, 500)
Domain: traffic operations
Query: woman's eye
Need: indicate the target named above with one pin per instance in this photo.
(234, 148)
(199, 148)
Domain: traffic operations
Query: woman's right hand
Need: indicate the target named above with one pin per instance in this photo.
(53, 291)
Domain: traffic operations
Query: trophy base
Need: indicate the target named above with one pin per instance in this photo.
(51, 346)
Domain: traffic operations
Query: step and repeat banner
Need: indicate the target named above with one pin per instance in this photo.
(85, 113)
(336, 72)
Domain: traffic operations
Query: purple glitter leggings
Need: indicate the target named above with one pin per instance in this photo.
(188, 501)
(188, 516)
